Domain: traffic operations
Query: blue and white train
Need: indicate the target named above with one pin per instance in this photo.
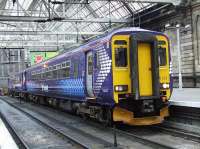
(123, 76)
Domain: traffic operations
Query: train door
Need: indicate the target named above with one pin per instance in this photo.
(24, 80)
(144, 66)
(144, 69)
(89, 73)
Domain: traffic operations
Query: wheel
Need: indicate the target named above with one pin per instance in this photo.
(108, 117)
(84, 116)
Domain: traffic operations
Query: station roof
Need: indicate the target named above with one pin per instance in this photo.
(42, 24)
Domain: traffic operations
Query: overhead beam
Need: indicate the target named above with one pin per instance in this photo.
(21, 18)
(69, 2)
(45, 19)
(10, 32)
(5, 48)
(174, 2)
(37, 41)
(21, 12)
(31, 46)
(34, 48)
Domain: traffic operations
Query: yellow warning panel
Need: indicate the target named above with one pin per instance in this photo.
(145, 69)
(121, 73)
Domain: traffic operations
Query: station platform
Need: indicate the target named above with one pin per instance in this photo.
(6, 140)
(188, 97)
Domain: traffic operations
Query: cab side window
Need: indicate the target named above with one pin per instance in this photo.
(121, 57)
(162, 56)
(120, 53)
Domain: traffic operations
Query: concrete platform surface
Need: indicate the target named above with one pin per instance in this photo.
(189, 97)
(6, 140)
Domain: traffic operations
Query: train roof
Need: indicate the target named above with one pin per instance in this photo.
(105, 37)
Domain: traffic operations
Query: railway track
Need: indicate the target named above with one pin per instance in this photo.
(185, 113)
(161, 130)
(132, 136)
(143, 140)
(183, 121)
(127, 134)
(178, 132)
(54, 130)
(17, 138)
(187, 116)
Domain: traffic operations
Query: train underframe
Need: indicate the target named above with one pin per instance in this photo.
(120, 113)
(141, 112)
(84, 109)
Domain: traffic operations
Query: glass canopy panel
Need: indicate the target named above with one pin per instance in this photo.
(26, 4)
(96, 5)
(138, 7)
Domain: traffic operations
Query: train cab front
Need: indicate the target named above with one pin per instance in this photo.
(141, 79)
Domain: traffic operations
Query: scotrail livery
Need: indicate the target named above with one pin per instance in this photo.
(123, 76)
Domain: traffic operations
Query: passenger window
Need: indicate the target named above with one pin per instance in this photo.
(39, 76)
(68, 64)
(42, 76)
(97, 60)
(162, 56)
(75, 70)
(59, 73)
(120, 57)
(59, 66)
(63, 65)
(62, 73)
(67, 72)
(49, 74)
(90, 65)
(55, 74)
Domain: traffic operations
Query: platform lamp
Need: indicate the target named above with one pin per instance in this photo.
(178, 27)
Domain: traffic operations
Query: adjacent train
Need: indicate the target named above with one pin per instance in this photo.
(123, 76)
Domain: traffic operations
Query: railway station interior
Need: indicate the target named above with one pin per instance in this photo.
(100, 74)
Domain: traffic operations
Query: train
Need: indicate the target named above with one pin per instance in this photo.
(123, 76)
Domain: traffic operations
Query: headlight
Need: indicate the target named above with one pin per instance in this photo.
(165, 85)
(121, 88)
